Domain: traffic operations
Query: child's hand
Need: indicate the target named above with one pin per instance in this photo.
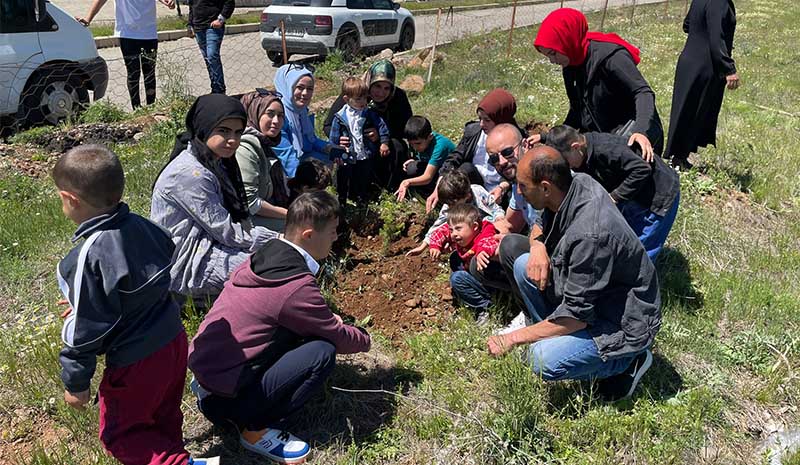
(402, 191)
(483, 260)
(431, 201)
(66, 312)
(416, 250)
(344, 141)
(77, 400)
(384, 150)
(371, 134)
(435, 253)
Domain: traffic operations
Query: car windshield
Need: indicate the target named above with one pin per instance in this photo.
(317, 3)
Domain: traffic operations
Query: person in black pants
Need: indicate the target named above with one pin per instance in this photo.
(135, 25)
(699, 82)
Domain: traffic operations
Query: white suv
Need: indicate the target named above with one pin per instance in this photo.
(318, 27)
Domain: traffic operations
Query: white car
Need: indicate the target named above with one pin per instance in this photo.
(48, 63)
(318, 27)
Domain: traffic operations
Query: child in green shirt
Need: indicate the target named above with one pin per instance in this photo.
(430, 149)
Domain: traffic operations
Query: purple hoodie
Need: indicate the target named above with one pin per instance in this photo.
(271, 304)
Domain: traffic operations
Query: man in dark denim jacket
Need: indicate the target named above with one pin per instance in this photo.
(598, 310)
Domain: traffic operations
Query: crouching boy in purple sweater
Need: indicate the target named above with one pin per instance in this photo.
(270, 340)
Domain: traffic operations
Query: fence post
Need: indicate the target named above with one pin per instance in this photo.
(666, 8)
(603, 21)
(511, 31)
(435, 39)
(562, 4)
(633, 10)
(283, 43)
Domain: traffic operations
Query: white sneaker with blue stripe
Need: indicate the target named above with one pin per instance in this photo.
(279, 446)
(206, 461)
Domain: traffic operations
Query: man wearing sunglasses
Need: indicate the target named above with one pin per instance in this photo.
(504, 147)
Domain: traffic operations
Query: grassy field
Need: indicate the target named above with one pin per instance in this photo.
(724, 377)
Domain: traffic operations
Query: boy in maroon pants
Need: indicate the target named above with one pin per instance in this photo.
(116, 282)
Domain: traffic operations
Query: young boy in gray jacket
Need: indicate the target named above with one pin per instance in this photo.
(116, 282)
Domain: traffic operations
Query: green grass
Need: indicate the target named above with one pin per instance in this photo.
(172, 23)
(725, 371)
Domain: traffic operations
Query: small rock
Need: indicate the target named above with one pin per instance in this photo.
(138, 136)
(385, 277)
(447, 296)
(402, 60)
(386, 54)
(428, 311)
(419, 60)
(413, 84)
(452, 100)
(412, 303)
(160, 117)
(437, 59)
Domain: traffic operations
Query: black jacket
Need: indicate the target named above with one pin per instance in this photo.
(396, 115)
(465, 150)
(601, 274)
(117, 283)
(607, 91)
(203, 12)
(627, 177)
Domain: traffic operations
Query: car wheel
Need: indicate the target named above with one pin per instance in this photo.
(347, 43)
(407, 36)
(277, 58)
(57, 95)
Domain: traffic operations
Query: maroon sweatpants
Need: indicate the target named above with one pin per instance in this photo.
(140, 408)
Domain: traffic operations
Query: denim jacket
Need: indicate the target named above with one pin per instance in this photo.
(187, 200)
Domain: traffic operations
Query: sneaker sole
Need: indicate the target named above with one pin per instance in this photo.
(263, 453)
(648, 362)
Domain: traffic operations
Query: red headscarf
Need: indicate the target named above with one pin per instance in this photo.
(566, 31)
(500, 106)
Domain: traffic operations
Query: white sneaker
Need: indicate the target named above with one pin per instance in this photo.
(279, 446)
(520, 321)
(205, 461)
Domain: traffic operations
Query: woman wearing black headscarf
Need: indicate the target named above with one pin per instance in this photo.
(704, 69)
(199, 197)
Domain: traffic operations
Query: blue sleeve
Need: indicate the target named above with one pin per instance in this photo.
(335, 133)
(317, 144)
(441, 150)
(286, 152)
(383, 129)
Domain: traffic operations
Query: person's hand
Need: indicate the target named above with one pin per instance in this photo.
(217, 24)
(384, 150)
(338, 318)
(644, 143)
(532, 140)
(170, 4)
(499, 344)
(416, 250)
(732, 82)
(497, 194)
(77, 400)
(371, 134)
(85, 22)
(402, 191)
(66, 312)
(344, 141)
(483, 260)
(538, 267)
(434, 253)
(431, 201)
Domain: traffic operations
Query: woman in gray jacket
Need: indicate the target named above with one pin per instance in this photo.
(199, 197)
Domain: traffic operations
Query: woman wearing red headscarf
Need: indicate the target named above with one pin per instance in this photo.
(606, 91)
(497, 107)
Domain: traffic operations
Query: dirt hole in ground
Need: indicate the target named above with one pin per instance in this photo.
(399, 295)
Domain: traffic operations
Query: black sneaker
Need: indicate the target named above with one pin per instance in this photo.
(621, 386)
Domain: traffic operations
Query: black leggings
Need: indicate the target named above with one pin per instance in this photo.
(140, 57)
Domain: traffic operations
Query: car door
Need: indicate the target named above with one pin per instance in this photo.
(387, 27)
(19, 47)
(361, 13)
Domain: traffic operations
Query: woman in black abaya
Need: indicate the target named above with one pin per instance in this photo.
(704, 69)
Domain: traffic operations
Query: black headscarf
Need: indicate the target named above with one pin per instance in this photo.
(204, 115)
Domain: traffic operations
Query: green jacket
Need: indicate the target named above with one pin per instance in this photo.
(255, 165)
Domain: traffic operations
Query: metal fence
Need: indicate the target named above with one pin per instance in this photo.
(182, 69)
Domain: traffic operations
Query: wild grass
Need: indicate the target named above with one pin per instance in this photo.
(725, 371)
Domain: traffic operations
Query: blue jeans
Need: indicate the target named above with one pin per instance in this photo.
(651, 229)
(466, 287)
(210, 41)
(573, 356)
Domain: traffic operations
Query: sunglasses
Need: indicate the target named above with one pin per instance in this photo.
(507, 153)
(296, 65)
(266, 92)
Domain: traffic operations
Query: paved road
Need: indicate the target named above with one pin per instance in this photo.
(246, 66)
(81, 8)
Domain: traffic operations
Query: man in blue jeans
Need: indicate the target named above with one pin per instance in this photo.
(597, 306)
(207, 23)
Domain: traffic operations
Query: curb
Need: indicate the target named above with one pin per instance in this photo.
(166, 36)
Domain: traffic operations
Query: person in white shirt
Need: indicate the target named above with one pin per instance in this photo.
(135, 26)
